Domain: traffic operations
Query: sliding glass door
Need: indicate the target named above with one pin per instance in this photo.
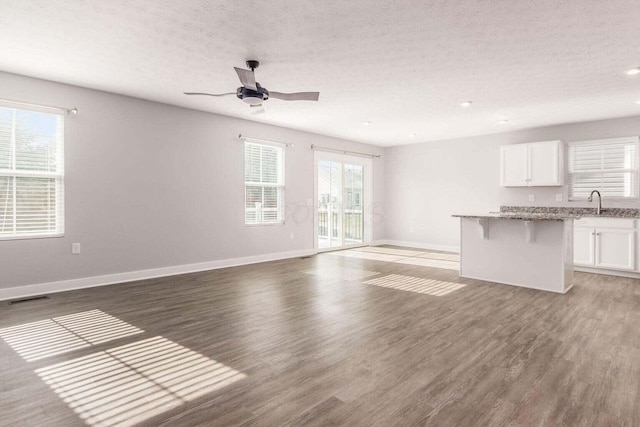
(340, 190)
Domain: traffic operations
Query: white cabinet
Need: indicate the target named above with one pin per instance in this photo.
(615, 249)
(544, 163)
(513, 162)
(607, 243)
(536, 164)
(584, 252)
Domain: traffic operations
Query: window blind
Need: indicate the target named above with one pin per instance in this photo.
(264, 182)
(31, 173)
(609, 166)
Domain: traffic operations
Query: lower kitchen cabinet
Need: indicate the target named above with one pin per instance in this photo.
(606, 243)
(584, 252)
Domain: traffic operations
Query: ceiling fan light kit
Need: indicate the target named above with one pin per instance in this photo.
(253, 94)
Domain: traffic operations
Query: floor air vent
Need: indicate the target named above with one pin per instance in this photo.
(29, 299)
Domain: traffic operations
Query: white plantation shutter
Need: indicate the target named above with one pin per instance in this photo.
(609, 166)
(31, 173)
(264, 182)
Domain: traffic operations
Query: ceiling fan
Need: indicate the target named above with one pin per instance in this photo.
(254, 94)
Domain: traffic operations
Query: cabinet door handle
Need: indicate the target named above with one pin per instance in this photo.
(597, 234)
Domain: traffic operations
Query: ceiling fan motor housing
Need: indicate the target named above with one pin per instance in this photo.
(251, 96)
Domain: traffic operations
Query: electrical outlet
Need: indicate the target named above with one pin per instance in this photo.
(412, 229)
(75, 248)
(559, 197)
(532, 197)
(291, 235)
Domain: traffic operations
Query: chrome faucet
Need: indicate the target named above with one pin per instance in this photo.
(590, 199)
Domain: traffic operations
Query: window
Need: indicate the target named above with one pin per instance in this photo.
(31, 173)
(263, 183)
(609, 166)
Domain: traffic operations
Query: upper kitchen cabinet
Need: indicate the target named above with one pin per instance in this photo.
(514, 161)
(536, 164)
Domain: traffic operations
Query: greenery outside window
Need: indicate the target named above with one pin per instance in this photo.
(31, 172)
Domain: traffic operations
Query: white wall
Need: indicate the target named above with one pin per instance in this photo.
(427, 183)
(150, 185)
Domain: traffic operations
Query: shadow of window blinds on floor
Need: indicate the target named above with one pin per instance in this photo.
(50, 337)
(415, 284)
(135, 382)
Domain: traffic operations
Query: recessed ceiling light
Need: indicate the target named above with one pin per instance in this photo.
(633, 71)
(466, 103)
(412, 135)
(367, 123)
(503, 122)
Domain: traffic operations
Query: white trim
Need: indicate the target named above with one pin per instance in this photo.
(31, 236)
(618, 273)
(30, 174)
(417, 245)
(111, 279)
(493, 282)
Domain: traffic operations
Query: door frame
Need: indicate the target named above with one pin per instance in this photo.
(367, 165)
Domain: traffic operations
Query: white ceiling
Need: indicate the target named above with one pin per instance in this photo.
(403, 65)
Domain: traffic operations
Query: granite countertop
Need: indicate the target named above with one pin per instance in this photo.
(573, 212)
(521, 216)
(544, 213)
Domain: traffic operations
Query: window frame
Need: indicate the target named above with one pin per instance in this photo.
(280, 186)
(57, 176)
(634, 171)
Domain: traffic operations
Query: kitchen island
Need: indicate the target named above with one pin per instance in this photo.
(532, 250)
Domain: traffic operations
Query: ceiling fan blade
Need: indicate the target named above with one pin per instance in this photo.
(210, 94)
(247, 78)
(257, 109)
(296, 96)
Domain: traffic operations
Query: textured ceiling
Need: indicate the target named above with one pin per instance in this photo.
(403, 65)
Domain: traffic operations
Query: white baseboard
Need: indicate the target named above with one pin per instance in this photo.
(493, 282)
(619, 273)
(110, 279)
(417, 245)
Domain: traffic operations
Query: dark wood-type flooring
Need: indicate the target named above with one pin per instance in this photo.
(308, 342)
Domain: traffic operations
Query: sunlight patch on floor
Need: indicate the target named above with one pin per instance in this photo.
(45, 338)
(343, 273)
(416, 284)
(132, 383)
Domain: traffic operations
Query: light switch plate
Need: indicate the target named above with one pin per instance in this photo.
(75, 248)
(532, 197)
(558, 197)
